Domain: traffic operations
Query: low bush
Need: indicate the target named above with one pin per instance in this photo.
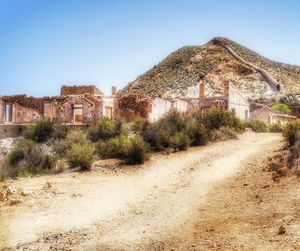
(14, 157)
(292, 132)
(216, 118)
(73, 137)
(275, 128)
(61, 132)
(227, 133)
(198, 134)
(60, 165)
(160, 133)
(132, 149)
(27, 157)
(180, 141)
(106, 129)
(81, 155)
(138, 126)
(48, 162)
(257, 125)
(41, 131)
(112, 148)
(136, 150)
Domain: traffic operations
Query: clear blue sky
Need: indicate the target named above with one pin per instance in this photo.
(47, 43)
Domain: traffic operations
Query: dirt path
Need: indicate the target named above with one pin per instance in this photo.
(153, 207)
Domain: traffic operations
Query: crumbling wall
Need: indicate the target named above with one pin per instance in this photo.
(133, 106)
(79, 90)
(64, 110)
(23, 115)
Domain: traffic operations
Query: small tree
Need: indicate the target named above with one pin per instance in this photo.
(282, 108)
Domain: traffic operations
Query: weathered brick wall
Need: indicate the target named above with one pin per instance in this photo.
(28, 109)
(79, 90)
(133, 106)
(23, 115)
(64, 110)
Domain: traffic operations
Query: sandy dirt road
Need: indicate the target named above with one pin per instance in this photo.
(174, 202)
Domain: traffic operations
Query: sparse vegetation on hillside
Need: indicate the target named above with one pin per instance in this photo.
(185, 67)
(282, 108)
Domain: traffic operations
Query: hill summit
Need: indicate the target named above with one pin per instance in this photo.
(214, 63)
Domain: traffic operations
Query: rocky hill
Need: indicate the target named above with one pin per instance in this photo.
(214, 63)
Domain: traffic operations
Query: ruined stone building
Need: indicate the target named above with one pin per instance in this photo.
(75, 105)
(268, 115)
(154, 108)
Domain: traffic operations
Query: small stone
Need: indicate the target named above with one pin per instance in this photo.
(10, 190)
(2, 196)
(281, 230)
(13, 202)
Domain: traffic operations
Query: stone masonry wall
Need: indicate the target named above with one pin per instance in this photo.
(79, 90)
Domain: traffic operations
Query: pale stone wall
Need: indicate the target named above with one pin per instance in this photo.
(159, 108)
(1, 111)
(180, 105)
(237, 104)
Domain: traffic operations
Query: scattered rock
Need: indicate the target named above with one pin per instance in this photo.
(281, 230)
(48, 185)
(13, 202)
(10, 190)
(2, 196)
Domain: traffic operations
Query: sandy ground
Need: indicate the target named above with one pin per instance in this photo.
(213, 197)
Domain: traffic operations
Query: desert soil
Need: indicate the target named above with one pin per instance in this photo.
(217, 197)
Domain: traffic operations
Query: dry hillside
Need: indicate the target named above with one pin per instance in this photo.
(214, 63)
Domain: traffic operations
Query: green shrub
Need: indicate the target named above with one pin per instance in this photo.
(215, 119)
(198, 133)
(41, 131)
(105, 129)
(61, 132)
(276, 128)
(257, 125)
(136, 150)
(48, 162)
(73, 137)
(282, 108)
(15, 156)
(292, 132)
(227, 133)
(60, 166)
(81, 155)
(139, 125)
(159, 134)
(27, 157)
(180, 141)
(132, 149)
(113, 148)
(119, 126)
